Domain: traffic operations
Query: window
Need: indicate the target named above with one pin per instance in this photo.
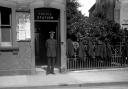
(5, 27)
(23, 26)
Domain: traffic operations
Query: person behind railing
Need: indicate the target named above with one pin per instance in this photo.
(99, 51)
(82, 50)
(76, 48)
(124, 55)
(90, 53)
(70, 48)
(108, 52)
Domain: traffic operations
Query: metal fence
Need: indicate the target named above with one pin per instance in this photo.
(116, 60)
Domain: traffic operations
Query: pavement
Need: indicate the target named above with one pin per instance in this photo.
(73, 78)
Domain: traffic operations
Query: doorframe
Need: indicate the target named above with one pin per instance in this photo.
(58, 34)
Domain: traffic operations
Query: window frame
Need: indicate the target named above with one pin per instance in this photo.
(18, 30)
(9, 26)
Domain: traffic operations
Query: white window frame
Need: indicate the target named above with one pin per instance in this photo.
(27, 35)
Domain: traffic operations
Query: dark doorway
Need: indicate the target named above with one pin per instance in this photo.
(46, 20)
(42, 34)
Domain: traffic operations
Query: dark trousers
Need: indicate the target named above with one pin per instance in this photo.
(51, 64)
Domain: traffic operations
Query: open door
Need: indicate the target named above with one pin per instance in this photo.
(42, 28)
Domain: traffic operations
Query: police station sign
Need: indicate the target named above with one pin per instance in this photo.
(46, 14)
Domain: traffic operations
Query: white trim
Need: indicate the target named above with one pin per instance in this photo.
(5, 44)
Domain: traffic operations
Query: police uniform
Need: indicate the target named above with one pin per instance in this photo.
(51, 45)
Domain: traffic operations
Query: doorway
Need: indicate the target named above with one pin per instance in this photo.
(42, 28)
(42, 34)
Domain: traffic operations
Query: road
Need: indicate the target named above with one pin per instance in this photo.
(99, 86)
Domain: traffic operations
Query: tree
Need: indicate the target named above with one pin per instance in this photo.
(107, 28)
(100, 27)
(97, 26)
(74, 17)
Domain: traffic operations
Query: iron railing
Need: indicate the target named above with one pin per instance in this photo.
(116, 60)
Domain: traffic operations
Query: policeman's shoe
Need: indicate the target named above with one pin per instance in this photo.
(52, 73)
(47, 73)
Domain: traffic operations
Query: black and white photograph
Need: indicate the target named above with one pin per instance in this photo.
(63, 44)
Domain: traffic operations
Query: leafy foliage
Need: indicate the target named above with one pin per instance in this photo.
(74, 16)
(97, 26)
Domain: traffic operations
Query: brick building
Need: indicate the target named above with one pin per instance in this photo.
(24, 27)
(109, 8)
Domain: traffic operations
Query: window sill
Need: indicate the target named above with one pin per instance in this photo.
(24, 41)
(9, 49)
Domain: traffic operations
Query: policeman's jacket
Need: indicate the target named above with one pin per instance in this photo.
(51, 45)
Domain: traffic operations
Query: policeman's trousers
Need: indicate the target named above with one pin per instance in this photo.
(51, 64)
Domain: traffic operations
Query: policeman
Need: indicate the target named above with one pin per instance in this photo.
(51, 45)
